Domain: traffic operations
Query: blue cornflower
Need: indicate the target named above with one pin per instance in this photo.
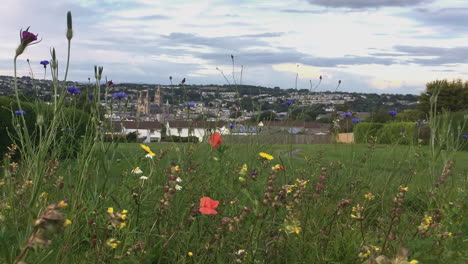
(20, 112)
(464, 136)
(288, 103)
(73, 90)
(191, 104)
(45, 63)
(231, 126)
(119, 95)
(346, 114)
(356, 120)
(91, 97)
(392, 113)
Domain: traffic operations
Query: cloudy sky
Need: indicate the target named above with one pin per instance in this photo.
(383, 46)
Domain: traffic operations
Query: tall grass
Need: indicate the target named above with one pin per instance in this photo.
(123, 203)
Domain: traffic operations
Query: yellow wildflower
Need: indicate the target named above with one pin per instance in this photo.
(241, 179)
(67, 222)
(426, 223)
(297, 229)
(122, 225)
(62, 204)
(244, 170)
(403, 189)
(110, 210)
(175, 169)
(292, 225)
(112, 243)
(265, 155)
(190, 254)
(414, 261)
(43, 195)
(369, 196)
(364, 254)
(148, 150)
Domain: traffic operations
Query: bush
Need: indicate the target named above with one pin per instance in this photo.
(364, 131)
(398, 133)
(7, 108)
(458, 120)
(177, 139)
(132, 136)
(73, 127)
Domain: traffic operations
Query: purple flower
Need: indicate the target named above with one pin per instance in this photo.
(356, 120)
(392, 113)
(20, 112)
(110, 83)
(91, 97)
(231, 126)
(45, 63)
(346, 114)
(73, 90)
(288, 103)
(27, 37)
(464, 136)
(119, 95)
(191, 104)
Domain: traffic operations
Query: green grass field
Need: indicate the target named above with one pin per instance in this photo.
(333, 203)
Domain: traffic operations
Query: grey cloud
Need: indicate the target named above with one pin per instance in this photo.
(263, 35)
(436, 55)
(228, 42)
(287, 55)
(299, 11)
(362, 4)
(152, 17)
(453, 19)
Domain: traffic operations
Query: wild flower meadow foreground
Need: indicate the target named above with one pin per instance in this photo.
(80, 198)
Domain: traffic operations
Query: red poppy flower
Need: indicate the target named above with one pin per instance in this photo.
(215, 140)
(282, 168)
(207, 206)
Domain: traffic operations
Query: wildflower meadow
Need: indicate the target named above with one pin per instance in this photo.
(69, 195)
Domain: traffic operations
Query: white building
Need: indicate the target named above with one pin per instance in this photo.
(148, 130)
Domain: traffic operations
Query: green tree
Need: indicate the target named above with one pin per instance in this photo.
(452, 96)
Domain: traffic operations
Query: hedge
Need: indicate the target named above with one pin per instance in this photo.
(398, 133)
(364, 131)
(192, 139)
(389, 133)
(70, 134)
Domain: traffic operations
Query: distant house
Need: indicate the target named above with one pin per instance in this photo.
(290, 127)
(146, 129)
(315, 128)
(362, 115)
(199, 129)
